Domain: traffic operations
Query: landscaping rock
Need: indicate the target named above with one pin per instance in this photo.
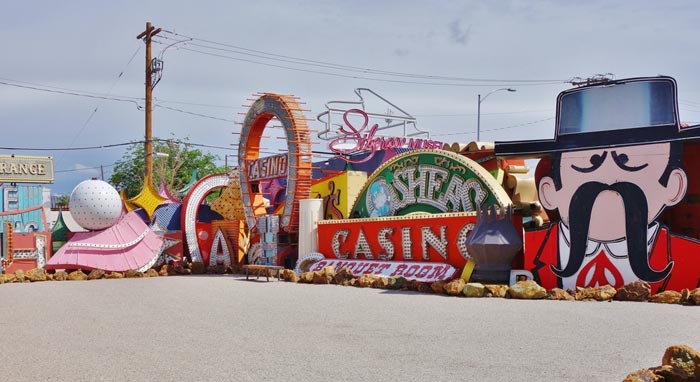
(425, 287)
(343, 275)
(306, 278)
(667, 373)
(7, 278)
(694, 296)
(77, 276)
(198, 268)
(320, 277)
(643, 375)
(36, 274)
(527, 290)
(438, 287)
(666, 297)
(474, 290)
(60, 276)
(151, 273)
(683, 357)
(397, 282)
(132, 273)
(559, 294)
(685, 297)
(634, 291)
(96, 274)
(380, 282)
(19, 274)
(455, 287)
(114, 275)
(366, 281)
(495, 290)
(601, 293)
(289, 275)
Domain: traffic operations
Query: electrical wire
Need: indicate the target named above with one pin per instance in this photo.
(160, 100)
(74, 93)
(193, 113)
(496, 129)
(303, 61)
(472, 115)
(100, 102)
(359, 77)
(69, 148)
(86, 168)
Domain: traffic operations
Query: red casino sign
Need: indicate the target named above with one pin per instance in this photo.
(438, 238)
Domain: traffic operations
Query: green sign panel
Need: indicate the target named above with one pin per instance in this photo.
(428, 181)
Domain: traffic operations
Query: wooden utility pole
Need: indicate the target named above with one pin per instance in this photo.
(148, 144)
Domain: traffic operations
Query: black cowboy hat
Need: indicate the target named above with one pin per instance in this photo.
(624, 112)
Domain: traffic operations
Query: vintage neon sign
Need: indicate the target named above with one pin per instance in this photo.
(436, 238)
(268, 167)
(287, 110)
(428, 181)
(355, 140)
(423, 272)
(26, 169)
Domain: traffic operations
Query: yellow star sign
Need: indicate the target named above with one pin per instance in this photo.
(148, 198)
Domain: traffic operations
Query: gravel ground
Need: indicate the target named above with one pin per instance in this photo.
(217, 328)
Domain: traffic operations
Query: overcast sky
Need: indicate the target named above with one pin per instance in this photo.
(239, 48)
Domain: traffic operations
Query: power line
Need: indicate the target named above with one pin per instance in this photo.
(68, 148)
(109, 93)
(198, 104)
(193, 113)
(471, 115)
(122, 99)
(498, 128)
(357, 77)
(86, 168)
(72, 93)
(303, 61)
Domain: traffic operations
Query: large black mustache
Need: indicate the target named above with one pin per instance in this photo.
(636, 211)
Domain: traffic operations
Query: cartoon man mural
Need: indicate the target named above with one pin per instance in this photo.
(615, 165)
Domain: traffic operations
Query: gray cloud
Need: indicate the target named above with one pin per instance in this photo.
(459, 34)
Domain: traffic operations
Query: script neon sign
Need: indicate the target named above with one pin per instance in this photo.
(355, 140)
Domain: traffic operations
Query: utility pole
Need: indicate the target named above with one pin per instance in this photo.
(148, 144)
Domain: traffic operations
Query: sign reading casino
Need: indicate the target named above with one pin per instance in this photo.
(26, 169)
(424, 202)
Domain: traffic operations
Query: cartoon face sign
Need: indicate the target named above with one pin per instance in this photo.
(609, 200)
(613, 185)
(615, 166)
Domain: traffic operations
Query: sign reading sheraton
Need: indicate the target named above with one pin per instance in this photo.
(432, 181)
(26, 169)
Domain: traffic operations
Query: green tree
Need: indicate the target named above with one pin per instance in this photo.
(62, 201)
(175, 169)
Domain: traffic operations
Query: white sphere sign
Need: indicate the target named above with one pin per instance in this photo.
(95, 204)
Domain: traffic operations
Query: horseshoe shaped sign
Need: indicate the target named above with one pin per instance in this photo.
(287, 111)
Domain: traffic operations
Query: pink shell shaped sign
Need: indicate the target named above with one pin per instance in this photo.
(95, 204)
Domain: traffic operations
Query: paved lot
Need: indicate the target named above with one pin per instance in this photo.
(218, 328)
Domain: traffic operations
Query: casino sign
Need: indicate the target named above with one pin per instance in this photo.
(428, 181)
(417, 207)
